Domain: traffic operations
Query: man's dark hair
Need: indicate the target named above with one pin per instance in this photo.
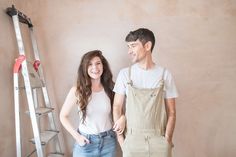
(143, 34)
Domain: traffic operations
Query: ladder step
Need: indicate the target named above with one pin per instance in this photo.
(42, 111)
(55, 155)
(46, 136)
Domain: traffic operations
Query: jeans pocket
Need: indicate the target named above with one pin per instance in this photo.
(112, 134)
(81, 144)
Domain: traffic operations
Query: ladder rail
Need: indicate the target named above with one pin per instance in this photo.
(36, 104)
(16, 69)
(17, 115)
(34, 44)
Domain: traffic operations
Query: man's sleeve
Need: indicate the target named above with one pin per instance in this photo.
(170, 88)
(120, 85)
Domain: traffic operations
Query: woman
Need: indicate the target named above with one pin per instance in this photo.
(94, 97)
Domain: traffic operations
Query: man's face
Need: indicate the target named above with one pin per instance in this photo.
(136, 51)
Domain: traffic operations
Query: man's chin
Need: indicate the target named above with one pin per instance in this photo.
(133, 61)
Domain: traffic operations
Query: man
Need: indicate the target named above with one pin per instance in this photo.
(149, 93)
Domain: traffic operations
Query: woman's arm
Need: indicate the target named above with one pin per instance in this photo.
(69, 103)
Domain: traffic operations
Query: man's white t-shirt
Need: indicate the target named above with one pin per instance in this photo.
(145, 79)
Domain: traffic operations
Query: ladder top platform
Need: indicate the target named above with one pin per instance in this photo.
(11, 11)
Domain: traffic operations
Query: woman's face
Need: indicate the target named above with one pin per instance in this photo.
(95, 68)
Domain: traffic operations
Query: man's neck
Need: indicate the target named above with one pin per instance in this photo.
(147, 63)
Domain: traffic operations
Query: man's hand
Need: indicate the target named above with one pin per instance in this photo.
(119, 125)
(169, 140)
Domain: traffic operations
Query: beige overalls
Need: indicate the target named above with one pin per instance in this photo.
(146, 122)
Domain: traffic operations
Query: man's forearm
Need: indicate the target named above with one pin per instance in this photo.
(171, 118)
(116, 113)
(120, 139)
(170, 127)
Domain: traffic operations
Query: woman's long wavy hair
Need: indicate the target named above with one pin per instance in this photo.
(84, 84)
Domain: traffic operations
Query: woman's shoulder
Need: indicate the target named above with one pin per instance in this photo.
(73, 89)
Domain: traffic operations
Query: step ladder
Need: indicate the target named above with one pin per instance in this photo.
(33, 83)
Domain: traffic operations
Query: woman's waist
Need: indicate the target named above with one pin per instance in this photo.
(94, 129)
(97, 134)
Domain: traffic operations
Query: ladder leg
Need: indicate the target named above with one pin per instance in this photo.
(17, 115)
(36, 105)
(17, 67)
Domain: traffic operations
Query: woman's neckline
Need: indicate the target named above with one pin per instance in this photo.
(98, 91)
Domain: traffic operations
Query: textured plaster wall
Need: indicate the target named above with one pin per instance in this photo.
(195, 41)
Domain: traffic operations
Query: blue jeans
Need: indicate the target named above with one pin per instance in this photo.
(101, 145)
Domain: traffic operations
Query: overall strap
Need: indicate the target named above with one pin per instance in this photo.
(162, 78)
(163, 73)
(161, 81)
(130, 82)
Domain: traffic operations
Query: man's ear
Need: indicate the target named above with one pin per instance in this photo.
(148, 46)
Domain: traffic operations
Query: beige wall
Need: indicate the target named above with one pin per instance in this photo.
(196, 40)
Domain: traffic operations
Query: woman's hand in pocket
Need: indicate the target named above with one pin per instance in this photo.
(82, 140)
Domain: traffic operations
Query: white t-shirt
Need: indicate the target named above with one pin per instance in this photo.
(98, 116)
(145, 79)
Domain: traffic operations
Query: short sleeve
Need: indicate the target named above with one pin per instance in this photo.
(170, 87)
(120, 84)
(71, 97)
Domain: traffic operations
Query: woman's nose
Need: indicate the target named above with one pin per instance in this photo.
(94, 66)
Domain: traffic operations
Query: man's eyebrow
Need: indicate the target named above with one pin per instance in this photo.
(133, 44)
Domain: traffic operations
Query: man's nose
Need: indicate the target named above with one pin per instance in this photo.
(130, 51)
